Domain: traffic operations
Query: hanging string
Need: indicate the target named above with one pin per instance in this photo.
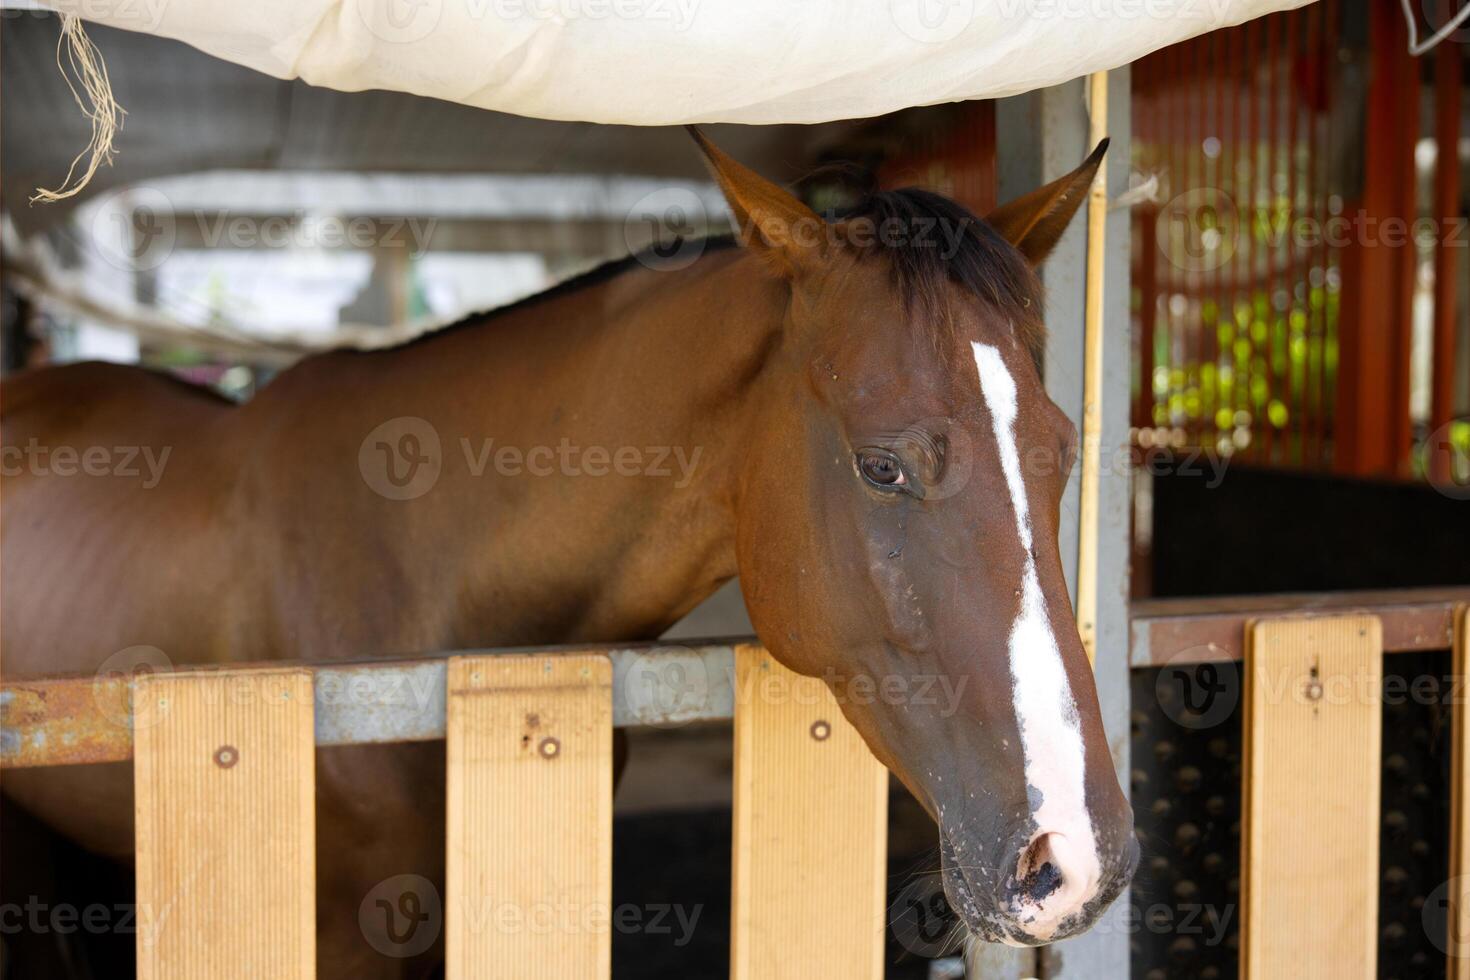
(84, 66)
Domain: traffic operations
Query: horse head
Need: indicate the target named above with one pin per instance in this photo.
(897, 529)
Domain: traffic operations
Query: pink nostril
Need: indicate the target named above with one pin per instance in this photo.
(1038, 872)
(1051, 883)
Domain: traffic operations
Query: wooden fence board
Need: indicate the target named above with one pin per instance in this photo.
(810, 834)
(1457, 922)
(224, 790)
(529, 817)
(1313, 745)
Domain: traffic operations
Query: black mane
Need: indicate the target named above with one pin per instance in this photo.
(938, 243)
(943, 243)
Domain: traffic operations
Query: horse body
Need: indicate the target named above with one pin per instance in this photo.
(761, 411)
(263, 540)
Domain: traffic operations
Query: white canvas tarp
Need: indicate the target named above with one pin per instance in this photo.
(657, 62)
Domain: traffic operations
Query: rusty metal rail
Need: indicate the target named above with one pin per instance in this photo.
(52, 721)
(1184, 631)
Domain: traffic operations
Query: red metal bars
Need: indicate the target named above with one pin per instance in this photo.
(952, 153)
(1372, 396)
(1447, 80)
(1232, 307)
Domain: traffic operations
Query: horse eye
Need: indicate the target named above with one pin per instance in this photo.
(881, 469)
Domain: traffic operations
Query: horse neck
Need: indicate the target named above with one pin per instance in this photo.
(662, 367)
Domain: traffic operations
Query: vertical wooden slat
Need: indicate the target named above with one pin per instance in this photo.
(810, 834)
(224, 790)
(1457, 922)
(1313, 736)
(529, 813)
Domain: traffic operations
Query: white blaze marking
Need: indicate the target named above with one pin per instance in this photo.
(1046, 713)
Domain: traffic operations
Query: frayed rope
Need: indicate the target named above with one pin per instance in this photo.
(84, 64)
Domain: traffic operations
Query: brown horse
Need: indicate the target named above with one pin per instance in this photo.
(847, 413)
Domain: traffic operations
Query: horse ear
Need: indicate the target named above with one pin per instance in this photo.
(1034, 222)
(773, 223)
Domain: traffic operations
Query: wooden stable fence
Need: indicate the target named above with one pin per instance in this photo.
(224, 779)
(1312, 703)
(225, 795)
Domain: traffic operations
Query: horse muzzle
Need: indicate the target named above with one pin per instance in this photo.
(1046, 888)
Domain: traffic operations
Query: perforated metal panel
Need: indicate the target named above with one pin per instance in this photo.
(1414, 838)
(1186, 795)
